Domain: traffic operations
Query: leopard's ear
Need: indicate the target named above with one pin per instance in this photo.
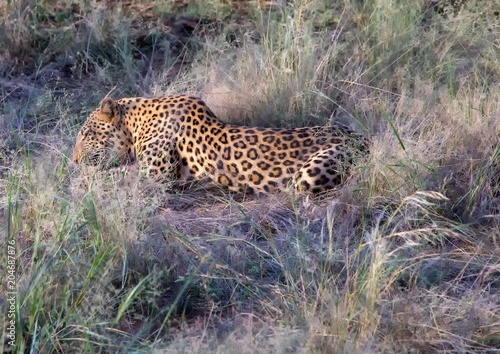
(108, 111)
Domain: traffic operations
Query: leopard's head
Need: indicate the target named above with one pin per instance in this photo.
(104, 138)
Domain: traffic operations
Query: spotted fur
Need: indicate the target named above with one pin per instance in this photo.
(179, 137)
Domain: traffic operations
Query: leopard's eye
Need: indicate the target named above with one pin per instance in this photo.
(85, 133)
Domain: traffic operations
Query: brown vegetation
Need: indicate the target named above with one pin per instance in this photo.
(405, 257)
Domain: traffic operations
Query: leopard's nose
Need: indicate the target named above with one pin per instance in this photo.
(76, 152)
(74, 158)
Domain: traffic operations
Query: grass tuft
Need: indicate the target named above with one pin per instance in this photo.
(404, 257)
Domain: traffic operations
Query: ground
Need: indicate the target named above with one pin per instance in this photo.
(403, 257)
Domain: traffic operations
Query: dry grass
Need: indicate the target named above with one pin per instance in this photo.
(402, 258)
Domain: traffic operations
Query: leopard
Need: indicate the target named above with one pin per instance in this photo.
(179, 137)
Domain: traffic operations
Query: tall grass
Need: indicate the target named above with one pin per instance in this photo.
(403, 257)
